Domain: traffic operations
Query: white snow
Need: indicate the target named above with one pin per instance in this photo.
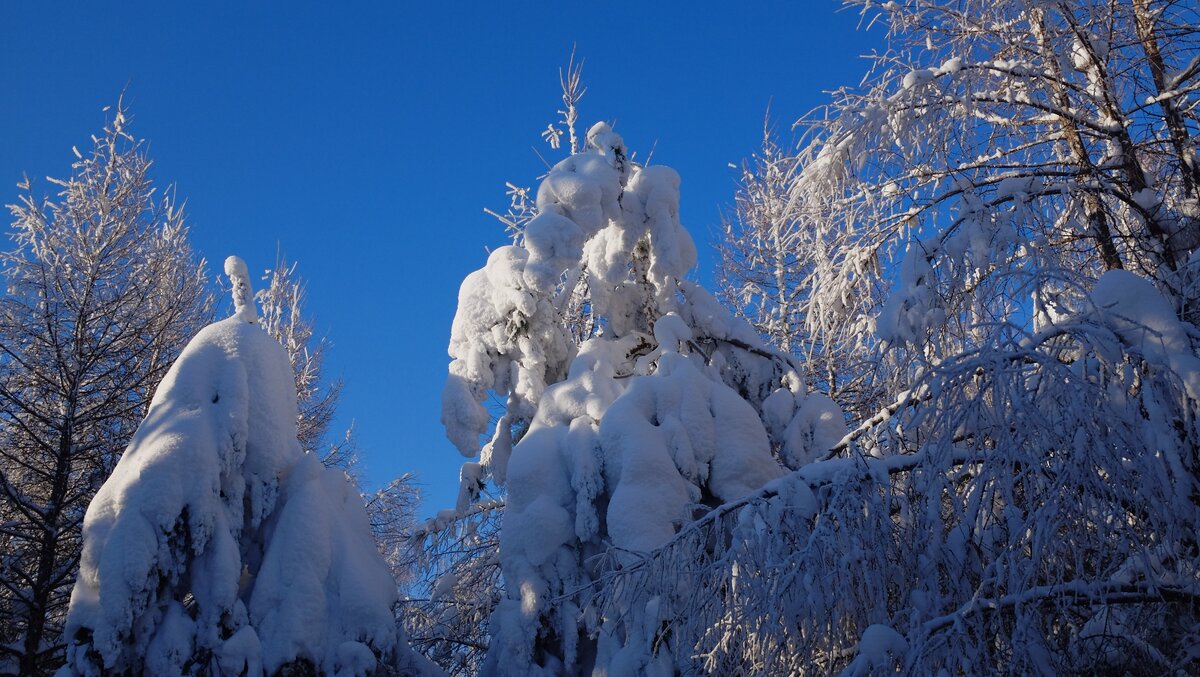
(504, 337)
(670, 331)
(951, 65)
(554, 243)
(243, 297)
(816, 427)
(919, 77)
(913, 306)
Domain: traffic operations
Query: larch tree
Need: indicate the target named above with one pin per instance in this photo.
(770, 254)
(764, 276)
(101, 291)
(284, 317)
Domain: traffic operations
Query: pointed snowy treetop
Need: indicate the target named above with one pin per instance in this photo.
(243, 293)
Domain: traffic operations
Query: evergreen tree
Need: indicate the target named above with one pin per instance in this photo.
(669, 408)
(217, 545)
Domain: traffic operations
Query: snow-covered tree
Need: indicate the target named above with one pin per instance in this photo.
(217, 545)
(101, 291)
(1020, 148)
(770, 254)
(670, 407)
(1025, 502)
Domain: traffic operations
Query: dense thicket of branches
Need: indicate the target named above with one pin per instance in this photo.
(102, 292)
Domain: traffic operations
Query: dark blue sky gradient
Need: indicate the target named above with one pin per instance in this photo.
(365, 139)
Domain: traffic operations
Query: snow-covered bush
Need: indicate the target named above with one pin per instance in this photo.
(669, 407)
(217, 546)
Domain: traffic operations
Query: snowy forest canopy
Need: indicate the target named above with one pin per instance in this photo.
(937, 416)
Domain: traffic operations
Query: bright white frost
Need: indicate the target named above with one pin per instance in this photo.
(656, 417)
(217, 545)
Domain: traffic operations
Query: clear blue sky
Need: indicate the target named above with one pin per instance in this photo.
(366, 139)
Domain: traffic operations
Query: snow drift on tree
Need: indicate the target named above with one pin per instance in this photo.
(217, 546)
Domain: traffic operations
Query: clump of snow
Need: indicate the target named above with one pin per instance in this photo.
(243, 297)
(951, 65)
(919, 77)
(1145, 320)
(670, 330)
(1016, 187)
(554, 243)
(217, 539)
(505, 337)
(878, 650)
(1083, 48)
(914, 305)
(815, 428)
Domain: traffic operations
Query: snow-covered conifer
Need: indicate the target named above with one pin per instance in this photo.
(218, 546)
(655, 418)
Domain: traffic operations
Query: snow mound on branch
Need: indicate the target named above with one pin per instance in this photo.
(218, 542)
(669, 439)
(913, 308)
(505, 337)
(243, 297)
(878, 650)
(1145, 320)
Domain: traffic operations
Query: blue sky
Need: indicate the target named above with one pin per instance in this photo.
(365, 139)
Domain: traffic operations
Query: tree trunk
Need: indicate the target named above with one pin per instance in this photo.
(1093, 208)
(1188, 169)
(43, 587)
